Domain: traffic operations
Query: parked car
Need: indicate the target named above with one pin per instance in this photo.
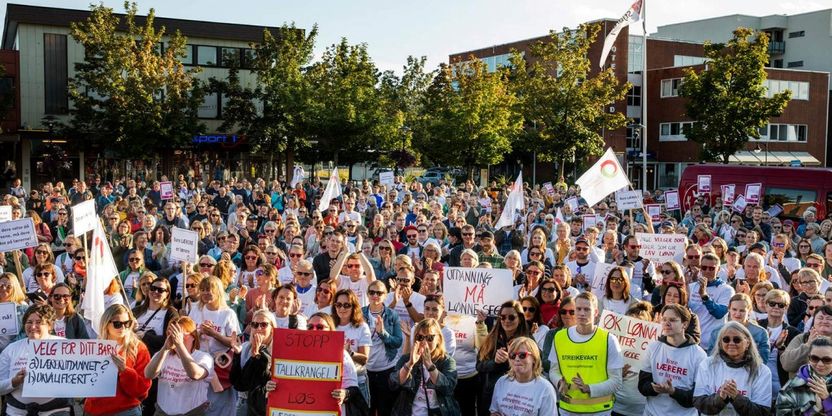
(433, 177)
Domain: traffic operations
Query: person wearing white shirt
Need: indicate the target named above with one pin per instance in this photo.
(524, 390)
(408, 304)
(582, 268)
(359, 274)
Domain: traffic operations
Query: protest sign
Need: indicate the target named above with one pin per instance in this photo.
(654, 211)
(634, 336)
(166, 190)
(739, 204)
(183, 245)
(671, 200)
(599, 280)
(5, 213)
(468, 290)
(17, 235)
(752, 192)
(627, 199)
(83, 217)
(728, 194)
(573, 203)
(8, 319)
(703, 183)
(306, 380)
(70, 368)
(660, 248)
(589, 220)
(775, 210)
(550, 189)
(387, 178)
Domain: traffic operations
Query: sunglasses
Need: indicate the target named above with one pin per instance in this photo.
(353, 266)
(318, 327)
(384, 248)
(776, 304)
(121, 324)
(339, 305)
(567, 312)
(531, 309)
(323, 290)
(548, 289)
(157, 289)
(190, 285)
(205, 265)
(251, 257)
(304, 273)
(708, 268)
(731, 340)
(509, 318)
(521, 355)
(60, 297)
(292, 255)
(134, 259)
(428, 338)
(693, 257)
(375, 293)
(259, 325)
(825, 360)
(43, 274)
(616, 279)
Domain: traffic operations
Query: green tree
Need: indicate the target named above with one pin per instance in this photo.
(128, 92)
(273, 114)
(404, 95)
(727, 99)
(563, 104)
(349, 117)
(470, 116)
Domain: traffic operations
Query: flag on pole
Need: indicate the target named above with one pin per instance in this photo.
(101, 269)
(602, 179)
(332, 191)
(559, 217)
(633, 15)
(515, 202)
(297, 175)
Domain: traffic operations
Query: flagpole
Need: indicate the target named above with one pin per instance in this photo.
(644, 96)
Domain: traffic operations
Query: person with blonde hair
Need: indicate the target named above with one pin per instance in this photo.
(131, 358)
(426, 377)
(524, 390)
(250, 366)
(11, 292)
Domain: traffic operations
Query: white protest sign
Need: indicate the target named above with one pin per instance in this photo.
(83, 217)
(468, 290)
(590, 220)
(573, 203)
(550, 189)
(5, 213)
(660, 248)
(386, 178)
(703, 183)
(70, 368)
(752, 192)
(8, 319)
(654, 211)
(17, 235)
(671, 200)
(166, 190)
(634, 336)
(728, 194)
(627, 199)
(599, 280)
(739, 204)
(183, 245)
(775, 210)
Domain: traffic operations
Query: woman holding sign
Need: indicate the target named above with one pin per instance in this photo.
(37, 322)
(130, 359)
(10, 292)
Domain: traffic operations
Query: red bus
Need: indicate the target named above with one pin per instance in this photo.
(795, 189)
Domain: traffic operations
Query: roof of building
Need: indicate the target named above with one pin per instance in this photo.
(53, 16)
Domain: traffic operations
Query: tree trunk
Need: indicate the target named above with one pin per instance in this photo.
(290, 165)
(561, 169)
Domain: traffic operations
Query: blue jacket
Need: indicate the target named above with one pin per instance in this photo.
(392, 334)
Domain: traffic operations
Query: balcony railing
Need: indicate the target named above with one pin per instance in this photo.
(776, 48)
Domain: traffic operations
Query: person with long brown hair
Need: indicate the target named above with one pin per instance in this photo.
(348, 319)
(492, 362)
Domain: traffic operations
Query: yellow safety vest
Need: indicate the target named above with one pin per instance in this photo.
(589, 359)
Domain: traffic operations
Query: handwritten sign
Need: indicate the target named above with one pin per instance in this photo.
(166, 190)
(654, 211)
(5, 213)
(728, 193)
(8, 319)
(468, 290)
(627, 199)
(739, 204)
(386, 178)
(599, 280)
(671, 200)
(634, 336)
(703, 183)
(660, 248)
(775, 210)
(17, 235)
(70, 368)
(590, 220)
(752, 192)
(573, 203)
(550, 189)
(183, 245)
(83, 217)
(306, 380)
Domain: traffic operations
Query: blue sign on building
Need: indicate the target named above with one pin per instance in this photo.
(215, 138)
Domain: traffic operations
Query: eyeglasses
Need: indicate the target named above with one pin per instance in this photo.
(708, 268)
(731, 340)
(323, 290)
(44, 252)
(806, 282)
(467, 234)
(44, 274)
(58, 297)
(157, 289)
(383, 248)
(428, 338)
(346, 305)
(292, 255)
(270, 231)
(375, 292)
(205, 265)
(531, 309)
(318, 327)
(550, 289)
(814, 359)
(251, 257)
(509, 318)
(521, 355)
(776, 304)
(567, 312)
(299, 273)
(121, 324)
(616, 279)
(259, 325)
(634, 247)
(134, 259)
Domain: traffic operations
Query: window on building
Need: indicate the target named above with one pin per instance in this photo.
(230, 57)
(634, 96)
(633, 142)
(55, 74)
(778, 63)
(206, 55)
(674, 131)
(670, 87)
(209, 107)
(634, 55)
(795, 64)
(799, 89)
(784, 132)
(188, 58)
(249, 56)
(797, 34)
(683, 60)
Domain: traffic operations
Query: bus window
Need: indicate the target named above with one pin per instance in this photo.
(793, 201)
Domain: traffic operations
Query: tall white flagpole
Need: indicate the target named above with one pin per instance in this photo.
(644, 96)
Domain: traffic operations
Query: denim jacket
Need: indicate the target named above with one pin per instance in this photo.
(392, 334)
(444, 387)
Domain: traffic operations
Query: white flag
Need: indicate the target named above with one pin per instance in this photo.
(515, 202)
(332, 191)
(632, 16)
(101, 269)
(297, 175)
(602, 179)
(559, 217)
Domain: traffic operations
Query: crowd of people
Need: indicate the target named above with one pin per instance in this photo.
(745, 310)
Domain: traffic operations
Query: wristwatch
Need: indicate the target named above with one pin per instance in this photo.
(408, 305)
(431, 368)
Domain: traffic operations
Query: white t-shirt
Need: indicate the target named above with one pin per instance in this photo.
(588, 270)
(156, 323)
(710, 376)
(224, 321)
(513, 398)
(60, 328)
(178, 393)
(378, 360)
(357, 337)
(465, 333)
(679, 365)
(307, 301)
(130, 281)
(284, 322)
(417, 299)
(247, 278)
(32, 282)
(774, 355)
(359, 288)
(285, 275)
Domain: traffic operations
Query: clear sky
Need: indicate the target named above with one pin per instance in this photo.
(394, 29)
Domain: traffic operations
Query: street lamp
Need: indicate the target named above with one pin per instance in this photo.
(758, 149)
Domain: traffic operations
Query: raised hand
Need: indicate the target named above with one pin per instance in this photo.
(235, 343)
